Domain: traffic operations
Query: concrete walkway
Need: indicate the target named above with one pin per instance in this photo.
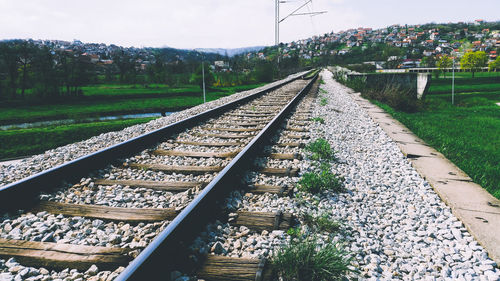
(478, 210)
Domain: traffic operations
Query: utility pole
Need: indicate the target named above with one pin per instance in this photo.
(203, 76)
(453, 83)
(276, 22)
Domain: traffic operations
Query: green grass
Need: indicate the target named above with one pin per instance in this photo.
(321, 223)
(318, 119)
(321, 180)
(464, 84)
(303, 260)
(468, 134)
(133, 90)
(24, 142)
(320, 149)
(110, 104)
(312, 73)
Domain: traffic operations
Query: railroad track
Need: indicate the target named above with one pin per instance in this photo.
(140, 207)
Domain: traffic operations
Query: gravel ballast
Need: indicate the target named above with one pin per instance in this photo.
(93, 232)
(402, 229)
(392, 221)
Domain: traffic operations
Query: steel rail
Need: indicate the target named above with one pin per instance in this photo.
(23, 193)
(162, 254)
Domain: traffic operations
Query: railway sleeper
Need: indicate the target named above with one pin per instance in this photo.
(180, 186)
(224, 136)
(284, 172)
(60, 256)
(259, 221)
(294, 136)
(130, 215)
(231, 129)
(296, 129)
(198, 143)
(230, 154)
(170, 186)
(233, 269)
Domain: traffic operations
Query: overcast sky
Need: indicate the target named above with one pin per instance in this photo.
(218, 23)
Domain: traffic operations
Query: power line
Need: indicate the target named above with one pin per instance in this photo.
(294, 13)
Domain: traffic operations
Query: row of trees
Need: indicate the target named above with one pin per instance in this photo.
(471, 61)
(30, 71)
(25, 67)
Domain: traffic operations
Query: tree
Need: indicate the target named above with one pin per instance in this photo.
(126, 66)
(473, 61)
(429, 61)
(46, 79)
(494, 65)
(443, 63)
(10, 58)
(197, 76)
(26, 54)
(264, 71)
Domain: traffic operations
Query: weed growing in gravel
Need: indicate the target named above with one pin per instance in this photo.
(303, 259)
(323, 101)
(318, 119)
(322, 223)
(321, 81)
(316, 182)
(323, 91)
(321, 150)
(294, 232)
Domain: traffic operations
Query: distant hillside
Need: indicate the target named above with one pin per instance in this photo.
(230, 52)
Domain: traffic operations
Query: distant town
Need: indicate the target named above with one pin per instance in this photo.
(419, 41)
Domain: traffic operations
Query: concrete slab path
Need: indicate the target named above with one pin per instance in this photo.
(478, 210)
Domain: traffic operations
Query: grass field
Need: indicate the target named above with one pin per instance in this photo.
(24, 142)
(100, 100)
(468, 133)
(464, 83)
(107, 100)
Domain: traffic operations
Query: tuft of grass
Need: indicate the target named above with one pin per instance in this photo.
(323, 91)
(321, 223)
(323, 101)
(324, 179)
(321, 81)
(294, 232)
(318, 119)
(320, 149)
(304, 260)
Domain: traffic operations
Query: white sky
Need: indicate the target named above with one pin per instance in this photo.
(217, 23)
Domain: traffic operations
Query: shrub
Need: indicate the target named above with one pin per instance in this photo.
(302, 259)
(324, 179)
(320, 150)
(395, 96)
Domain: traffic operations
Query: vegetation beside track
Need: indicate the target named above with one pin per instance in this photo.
(98, 101)
(24, 142)
(307, 256)
(467, 133)
(106, 100)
